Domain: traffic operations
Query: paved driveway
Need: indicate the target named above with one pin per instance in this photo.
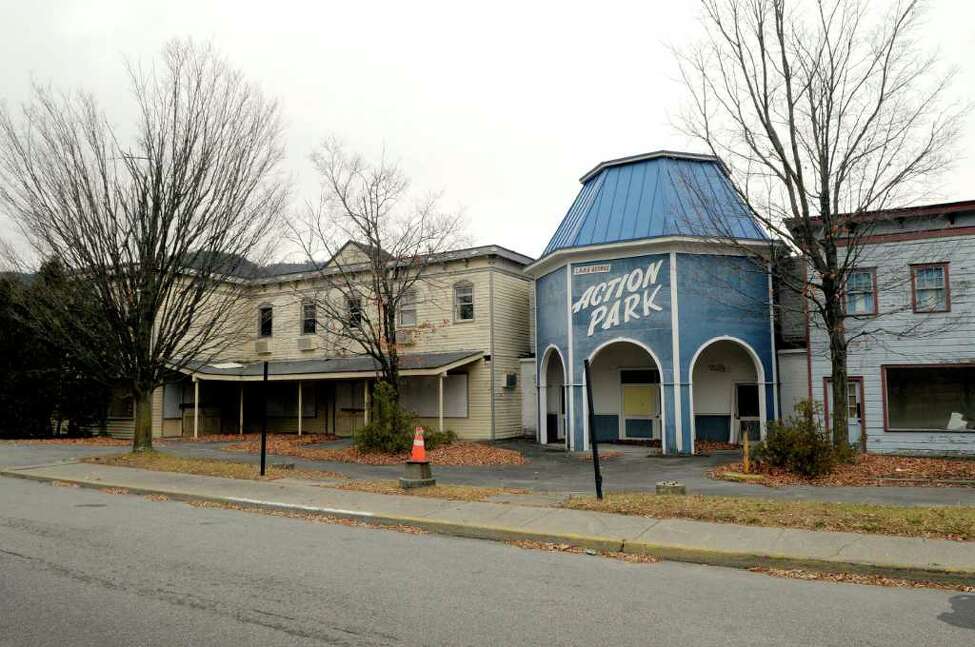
(545, 471)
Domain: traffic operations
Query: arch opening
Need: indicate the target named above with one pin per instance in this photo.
(553, 427)
(727, 393)
(627, 394)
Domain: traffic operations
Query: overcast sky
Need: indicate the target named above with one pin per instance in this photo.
(502, 106)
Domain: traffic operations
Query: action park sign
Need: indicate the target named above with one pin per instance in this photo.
(621, 299)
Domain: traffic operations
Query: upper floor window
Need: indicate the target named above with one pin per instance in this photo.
(309, 318)
(354, 309)
(407, 308)
(861, 292)
(931, 291)
(464, 301)
(265, 321)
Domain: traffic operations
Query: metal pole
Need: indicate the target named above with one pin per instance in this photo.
(299, 407)
(592, 435)
(240, 420)
(440, 380)
(264, 424)
(196, 408)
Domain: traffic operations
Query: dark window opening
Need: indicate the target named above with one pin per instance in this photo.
(354, 307)
(266, 319)
(935, 398)
(309, 319)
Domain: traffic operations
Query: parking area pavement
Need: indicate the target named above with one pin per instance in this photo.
(545, 470)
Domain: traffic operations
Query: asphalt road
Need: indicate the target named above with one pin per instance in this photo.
(81, 567)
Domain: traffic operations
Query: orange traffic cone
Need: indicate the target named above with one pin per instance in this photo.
(419, 453)
(418, 473)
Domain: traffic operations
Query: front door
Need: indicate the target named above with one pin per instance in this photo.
(641, 406)
(855, 408)
(748, 417)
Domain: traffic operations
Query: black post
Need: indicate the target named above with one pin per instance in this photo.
(592, 435)
(264, 423)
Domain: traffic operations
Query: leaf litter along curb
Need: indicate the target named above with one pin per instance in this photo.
(954, 523)
(871, 470)
(90, 441)
(633, 558)
(856, 578)
(458, 453)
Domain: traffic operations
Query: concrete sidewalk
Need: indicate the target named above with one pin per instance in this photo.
(673, 539)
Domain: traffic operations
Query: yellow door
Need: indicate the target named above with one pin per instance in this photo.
(641, 404)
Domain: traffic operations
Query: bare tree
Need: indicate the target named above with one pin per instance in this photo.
(381, 245)
(824, 110)
(157, 223)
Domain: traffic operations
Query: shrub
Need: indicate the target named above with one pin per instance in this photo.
(390, 428)
(800, 446)
(434, 439)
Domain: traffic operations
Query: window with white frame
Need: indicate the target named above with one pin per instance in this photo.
(931, 290)
(861, 293)
(464, 301)
(407, 308)
(309, 317)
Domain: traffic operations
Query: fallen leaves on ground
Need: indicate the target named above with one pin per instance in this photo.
(711, 446)
(163, 462)
(92, 441)
(63, 484)
(457, 453)
(872, 469)
(452, 492)
(855, 578)
(113, 490)
(577, 550)
(956, 523)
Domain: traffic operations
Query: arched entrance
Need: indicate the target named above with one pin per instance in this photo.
(552, 425)
(628, 401)
(727, 392)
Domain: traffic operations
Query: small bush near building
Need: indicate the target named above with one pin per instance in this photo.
(390, 429)
(800, 446)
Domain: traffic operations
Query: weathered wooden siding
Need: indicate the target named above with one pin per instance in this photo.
(931, 338)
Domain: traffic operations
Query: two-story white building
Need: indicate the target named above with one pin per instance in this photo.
(912, 329)
(461, 332)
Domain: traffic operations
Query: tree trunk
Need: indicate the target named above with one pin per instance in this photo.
(840, 391)
(142, 438)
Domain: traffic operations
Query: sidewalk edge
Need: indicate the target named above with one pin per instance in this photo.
(668, 552)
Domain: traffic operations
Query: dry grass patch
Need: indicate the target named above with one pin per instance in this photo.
(163, 462)
(873, 470)
(457, 453)
(452, 492)
(954, 523)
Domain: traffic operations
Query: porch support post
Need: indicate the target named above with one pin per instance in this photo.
(196, 408)
(299, 407)
(440, 379)
(365, 400)
(240, 420)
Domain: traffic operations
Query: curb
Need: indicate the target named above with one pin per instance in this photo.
(667, 552)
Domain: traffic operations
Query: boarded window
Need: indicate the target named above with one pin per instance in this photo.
(173, 400)
(931, 398)
(421, 396)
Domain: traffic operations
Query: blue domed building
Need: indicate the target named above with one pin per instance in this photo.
(655, 276)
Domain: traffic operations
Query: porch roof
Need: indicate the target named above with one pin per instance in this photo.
(330, 368)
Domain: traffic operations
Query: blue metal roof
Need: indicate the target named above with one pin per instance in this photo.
(652, 196)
